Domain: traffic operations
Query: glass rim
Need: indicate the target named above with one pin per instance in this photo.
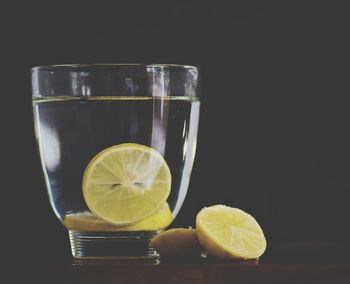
(110, 66)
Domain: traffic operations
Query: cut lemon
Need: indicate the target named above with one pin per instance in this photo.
(230, 233)
(176, 242)
(126, 183)
(87, 222)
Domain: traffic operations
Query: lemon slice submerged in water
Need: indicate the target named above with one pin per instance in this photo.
(126, 183)
(230, 233)
(87, 222)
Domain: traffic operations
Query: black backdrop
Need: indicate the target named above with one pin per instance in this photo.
(274, 129)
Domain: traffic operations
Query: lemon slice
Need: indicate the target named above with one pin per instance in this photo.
(87, 222)
(176, 242)
(126, 183)
(230, 233)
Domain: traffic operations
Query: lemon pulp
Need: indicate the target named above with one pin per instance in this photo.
(126, 183)
(229, 233)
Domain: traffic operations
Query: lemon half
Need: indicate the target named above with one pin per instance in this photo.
(230, 233)
(177, 242)
(126, 183)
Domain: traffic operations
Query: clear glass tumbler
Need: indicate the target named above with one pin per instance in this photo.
(117, 144)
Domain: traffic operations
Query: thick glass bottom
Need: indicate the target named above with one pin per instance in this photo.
(123, 246)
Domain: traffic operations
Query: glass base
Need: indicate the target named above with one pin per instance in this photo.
(123, 246)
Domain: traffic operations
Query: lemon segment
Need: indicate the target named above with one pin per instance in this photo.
(126, 183)
(230, 233)
(177, 242)
(87, 222)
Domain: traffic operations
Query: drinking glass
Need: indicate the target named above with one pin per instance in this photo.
(117, 144)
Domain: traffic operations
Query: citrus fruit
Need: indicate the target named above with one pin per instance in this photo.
(126, 183)
(87, 222)
(230, 233)
(176, 242)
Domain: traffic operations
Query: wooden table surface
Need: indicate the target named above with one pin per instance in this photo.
(291, 262)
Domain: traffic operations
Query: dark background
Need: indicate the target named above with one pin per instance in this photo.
(274, 134)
